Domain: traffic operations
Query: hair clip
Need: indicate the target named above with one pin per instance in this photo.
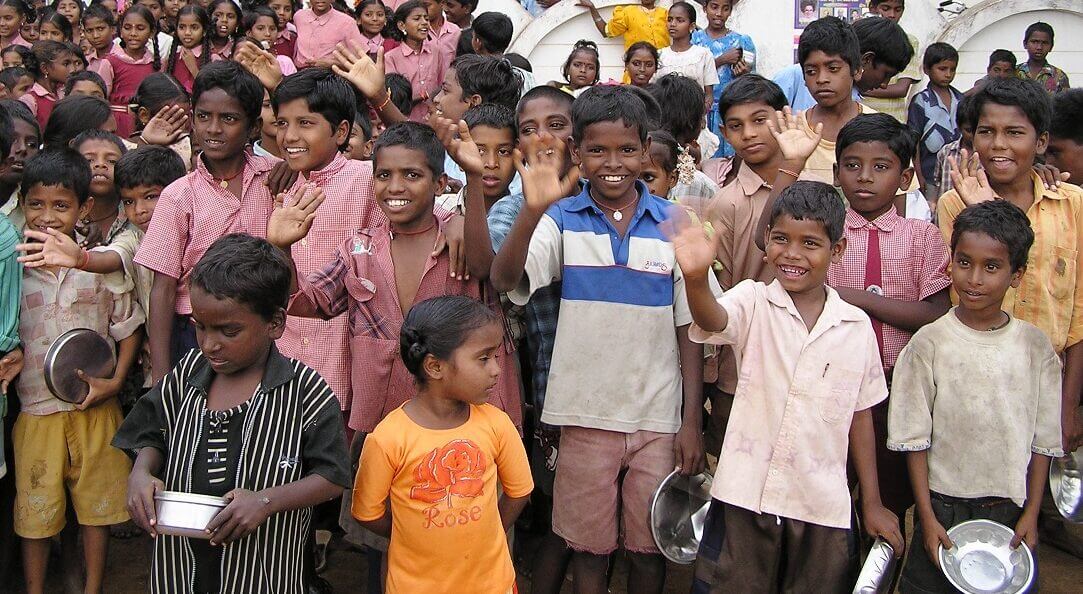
(686, 166)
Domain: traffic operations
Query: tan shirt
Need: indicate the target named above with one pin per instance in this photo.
(980, 402)
(896, 107)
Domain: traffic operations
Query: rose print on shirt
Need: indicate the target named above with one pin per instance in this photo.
(457, 468)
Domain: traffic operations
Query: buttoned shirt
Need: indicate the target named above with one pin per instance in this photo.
(636, 23)
(194, 211)
(425, 71)
(934, 123)
(317, 35)
(10, 275)
(447, 39)
(913, 265)
(788, 434)
(896, 106)
(1051, 78)
(1049, 295)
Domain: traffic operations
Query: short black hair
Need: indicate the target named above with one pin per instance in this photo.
(519, 62)
(1027, 95)
(437, 327)
(654, 111)
(19, 111)
(491, 115)
(878, 127)
(414, 136)
(73, 115)
(236, 81)
(96, 134)
(964, 114)
(812, 201)
(60, 166)
(751, 88)
(246, 269)
(605, 103)
(362, 122)
(97, 11)
(493, 30)
(939, 52)
(323, 91)
(88, 75)
(1001, 220)
(1038, 27)
(683, 99)
(493, 79)
(874, 3)
(9, 77)
(402, 92)
(543, 92)
(7, 134)
(1002, 55)
(148, 165)
(1068, 115)
(833, 37)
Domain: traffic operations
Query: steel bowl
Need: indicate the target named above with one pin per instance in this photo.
(1066, 484)
(983, 561)
(875, 574)
(678, 512)
(186, 514)
(81, 348)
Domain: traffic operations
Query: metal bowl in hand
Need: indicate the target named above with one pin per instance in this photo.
(875, 574)
(1066, 484)
(678, 512)
(983, 561)
(186, 514)
(77, 349)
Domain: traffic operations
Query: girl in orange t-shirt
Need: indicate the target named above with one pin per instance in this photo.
(439, 456)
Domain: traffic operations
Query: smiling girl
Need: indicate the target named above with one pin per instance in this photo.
(372, 21)
(225, 24)
(417, 59)
(127, 65)
(640, 63)
(191, 45)
(13, 15)
(57, 61)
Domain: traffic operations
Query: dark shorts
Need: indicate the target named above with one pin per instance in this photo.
(182, 340)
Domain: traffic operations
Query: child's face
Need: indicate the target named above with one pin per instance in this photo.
(11, 22)
(29, 31)
(98, 33)
(455, 11)
(659, 181)
(170, 8)
(220, 125)
(360, 148)
(416, 25)
(263, 30)
(232, 337)
(64, 65)
(372, 20)
(102, 156)
(718, 12)
(583, 70)
(224, 19)
(889, 9)
(800, 252)
(942, 73)
(828, 77)
(190, 31)
(12, 59)
(134, 32)
(1006, 143)
(745, 128)
(678, 24)
(1067, 155)
(320, 6)
(471, 372)
(268, 121)
(53, 207)
(23, 86)
(404, 186)
(70, 10)
(1000, 70)
(308, 141)
(870, 175)
(86, 87)
(1038, 45)
(50, 32)
(611, 156)
(981, 271)
(641, 67)
(284, 10)
(497, 146)
(111, 5)
(139, 203)
(543, 115)
(434, 10)
(25, 144)
(154, 6)
(449, 102)
(874, 75)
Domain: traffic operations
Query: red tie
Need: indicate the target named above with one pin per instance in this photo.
(873, 281)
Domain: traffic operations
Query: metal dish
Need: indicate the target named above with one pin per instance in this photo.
(875, 574)
(1066, 484)
(983, 562)
(77, 349)
(186, 514)
(678, 512)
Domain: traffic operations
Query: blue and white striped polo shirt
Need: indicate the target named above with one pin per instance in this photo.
(615, 361)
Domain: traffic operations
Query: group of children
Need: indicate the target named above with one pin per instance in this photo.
(363, 280)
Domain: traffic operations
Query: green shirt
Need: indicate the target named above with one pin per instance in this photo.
(10, 276)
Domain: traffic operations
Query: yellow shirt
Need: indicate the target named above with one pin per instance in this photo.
(446, 534)
(896, 107)
(1049, 295)
(636, 23)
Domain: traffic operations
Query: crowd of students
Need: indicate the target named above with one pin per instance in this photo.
(366, 278)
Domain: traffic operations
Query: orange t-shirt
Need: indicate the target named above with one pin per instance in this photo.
(446, 534)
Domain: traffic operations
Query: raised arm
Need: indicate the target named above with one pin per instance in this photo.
(797, 144)
(462, 148)
(354, 65)
(695, 253)
(599, 22)
(53, 248)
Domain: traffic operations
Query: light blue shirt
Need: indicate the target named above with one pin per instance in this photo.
(793, 86)
(453, 171)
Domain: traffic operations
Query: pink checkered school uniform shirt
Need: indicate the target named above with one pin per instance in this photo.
(447, 39)
(194, 211)
(317, 36)
(348, 207)
(425, 71)
(360, 282)
(913, 264)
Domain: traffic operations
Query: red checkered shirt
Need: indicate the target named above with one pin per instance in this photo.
(914, 262)
(360, 282)
(193, 212)
(348, 207)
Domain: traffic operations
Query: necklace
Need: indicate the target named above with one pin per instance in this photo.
(617, 214)
(408, 233)
(999, 326)
(223, 182)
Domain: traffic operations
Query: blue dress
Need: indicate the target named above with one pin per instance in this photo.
(719, 46)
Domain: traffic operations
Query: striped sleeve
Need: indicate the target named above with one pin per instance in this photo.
(323, 439)
(10, 278)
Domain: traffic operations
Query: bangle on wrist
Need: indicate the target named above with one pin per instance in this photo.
(84, 260)
(387, 99)
(789, 173)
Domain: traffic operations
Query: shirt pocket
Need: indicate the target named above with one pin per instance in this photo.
(838, 395)
(1062, 272)
(364, 320)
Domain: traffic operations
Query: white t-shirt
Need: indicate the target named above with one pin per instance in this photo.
(696, 63)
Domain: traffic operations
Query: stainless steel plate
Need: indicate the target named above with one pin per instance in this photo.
(77, 349)
(1066, 484)
(983, 562)
(678, 512)
(875, 574)
(186, 514)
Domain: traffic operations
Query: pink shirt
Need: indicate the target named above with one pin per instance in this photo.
(788, 434)
(372, 44)
(447, 39)
(98, 64)
(194, 211)
(19, 41)
(41, 102)
(122, 75)
(317, 36)
(424, 70)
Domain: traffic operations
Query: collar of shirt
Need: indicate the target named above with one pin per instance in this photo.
(286, 34)
(885, 222)
(647, 204)
(252, 168)
(148, 55)
(321, 176)
(425, 48)
(277, 372)
(40, 91)
(225, 52)
(448, 28)
(1041, 192)
(933, 98)
(374, 42)
(832, 315)
(749, 181)
(1024, 69)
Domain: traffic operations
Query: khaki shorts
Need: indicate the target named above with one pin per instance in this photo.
(69, 453)
(592, 504)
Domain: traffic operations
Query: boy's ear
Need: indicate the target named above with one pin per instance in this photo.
(475, 44)
(838, 250)
(573, 151)
(835, 175)
(1043, 143)
(278, 324)
(341, 133)
(441, 183)
(366, 150)
(905, 178)
(86, 207)
(1017, 276)
(473, 100)
(143, 114)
